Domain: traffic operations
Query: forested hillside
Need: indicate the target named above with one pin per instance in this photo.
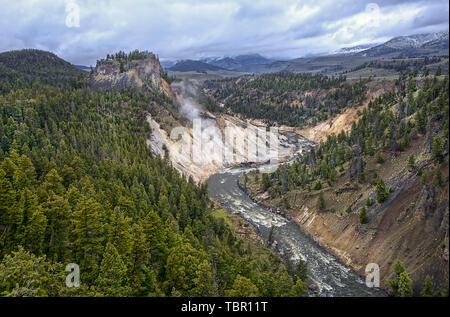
(29, 67)
(285, 98)
(390, 171)
(423, 65)
(78, 184)
(381, 127)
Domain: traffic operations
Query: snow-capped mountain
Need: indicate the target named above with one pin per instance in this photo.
(416, 41)
(412, 45)
(354, 49)
(238, 63)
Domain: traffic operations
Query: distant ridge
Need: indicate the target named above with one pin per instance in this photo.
(82, 67)
(343, 59)
(354, 49)
(240, 62)
(24, 68)
(410, 46)
(191, 65)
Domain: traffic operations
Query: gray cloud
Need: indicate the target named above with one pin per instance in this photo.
(178, 29)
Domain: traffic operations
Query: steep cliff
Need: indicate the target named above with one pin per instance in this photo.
(123, 73)
(212, 135)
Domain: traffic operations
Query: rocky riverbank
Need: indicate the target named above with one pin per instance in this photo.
(411, 226)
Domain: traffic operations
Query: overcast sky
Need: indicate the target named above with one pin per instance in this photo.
(182, 29)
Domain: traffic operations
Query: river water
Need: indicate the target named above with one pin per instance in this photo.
(331, 277)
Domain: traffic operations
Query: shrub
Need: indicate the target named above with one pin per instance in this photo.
(321, 205)
(363, 218)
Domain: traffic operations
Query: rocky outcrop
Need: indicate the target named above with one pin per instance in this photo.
(135, 73)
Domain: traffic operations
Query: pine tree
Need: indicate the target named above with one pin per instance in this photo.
(73, 196)
(35, 232)
(112, 278)
(203, 281)
(266, 182)
(183, 213)
(363, 218)
(163, 206)
(381, 192)
(20, 215)
(437, 178)
(369, 201)
(286, 204)
(243, 287)
(9, 220)
(57, 211)
(301, 270)
(28, 203)
(437, 150)
(119, 235)
(156, 234)
(422, 120)
(427, 290)
(186, 271)
(362, 174)
(88, 236)
(53, 183)
(401, 284)
(25, 274)
(6, 199)
(321, 205)
(300, 289)
(404, 285)
(411, 162)
(424, 178)
(379, 158)
(318, 185)
(24, 173)
(142, 279)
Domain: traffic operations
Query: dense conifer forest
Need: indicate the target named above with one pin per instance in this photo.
(29, 68)
(421, 110)
(78, 184)
(285, 98)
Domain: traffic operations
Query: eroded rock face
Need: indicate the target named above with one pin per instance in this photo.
(217, 150)
(412, 228)
(344, 121)
(136, 73)
(204, 143)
